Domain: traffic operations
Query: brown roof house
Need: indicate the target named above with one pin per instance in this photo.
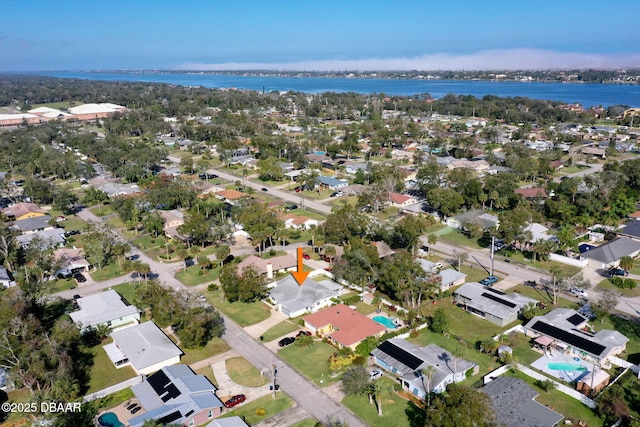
(344, 326)
(278, 264)
(24, 211)
(532, 193)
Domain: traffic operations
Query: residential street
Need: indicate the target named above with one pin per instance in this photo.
(312, 398)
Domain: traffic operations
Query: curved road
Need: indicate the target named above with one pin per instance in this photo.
(312, 398)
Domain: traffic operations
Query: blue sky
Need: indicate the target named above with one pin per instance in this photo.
(318, 34)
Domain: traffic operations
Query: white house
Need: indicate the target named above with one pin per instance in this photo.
(294, 300)
(106, 308)
(144, 347)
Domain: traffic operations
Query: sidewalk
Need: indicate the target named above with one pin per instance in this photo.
(260, 328)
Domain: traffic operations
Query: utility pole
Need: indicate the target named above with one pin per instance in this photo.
(493, 241)
(274, 386)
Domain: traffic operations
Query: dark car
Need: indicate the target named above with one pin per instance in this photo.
(235, 400)
(136, 409)
(264, 189)
(291, 207)
(301, 333)
(618, 272)
(130, 407)
(286, 341)
(78, 277)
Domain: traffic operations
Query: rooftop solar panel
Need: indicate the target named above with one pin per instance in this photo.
(171, 393)
(167, 419)
(577, 341)
(498, 299)
(400, 355)
(158, 382)
(576, 319)
(495, 291)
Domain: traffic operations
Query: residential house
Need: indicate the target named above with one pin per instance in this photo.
(298, 221)
(33, 224)
(595, 152)
(53, 237)
(71, 261)
(421, 208)
(401, 200)
(383, 249)
(513, 402)
(322, 251)
(6, 280)
(631, 229)
(277, 264)
(538, 232)
(95, 111)
(408, 361)
(476, 217)
(448, 277)
(108, 309)
(332, 183)
(567, 330)
(532, 194)
(294, 300)
(230, 196)
(342, 325)
(228, 422)
(21, 211)
(176, 395)
(608, 255)
(491, 304)
(478, 166)
(144, 347)
(353, 168)
(172, 220)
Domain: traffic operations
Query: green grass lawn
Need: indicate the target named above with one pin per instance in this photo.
(544, 296)
(272, 407)
(61, 285)
(365, 308)
(244, 314)
(606, 284)
(344, 200)
(394, 408)
(108, 272)
(519, 257)
(282, 328)
(569, 407)
(213, 347)
(312, 362)
(451, 235)
(73, 223)
(103, 374)
(102, 210)
(307, 213)
(192, 276)
(244, 373)
(128, 292)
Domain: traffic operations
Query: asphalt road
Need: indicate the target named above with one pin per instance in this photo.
(312, 398)
(297, 198)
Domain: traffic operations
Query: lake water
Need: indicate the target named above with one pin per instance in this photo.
(588, 94)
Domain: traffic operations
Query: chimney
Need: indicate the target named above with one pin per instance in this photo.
(269, 271)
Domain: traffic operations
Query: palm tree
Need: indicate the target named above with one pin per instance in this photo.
(626, 263)
(428, 374)
(432, 240)
(555, 271)
(457, 353)
(375, 389)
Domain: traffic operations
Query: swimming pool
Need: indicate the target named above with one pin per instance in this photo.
(385, 321)
(566, 366)
(109, 419)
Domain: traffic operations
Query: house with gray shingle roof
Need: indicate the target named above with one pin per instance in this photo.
(407, 360)
(294, 300)
(176, 395)
(514, 404)
(609, 254)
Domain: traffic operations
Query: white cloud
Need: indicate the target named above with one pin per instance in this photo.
(499, 59)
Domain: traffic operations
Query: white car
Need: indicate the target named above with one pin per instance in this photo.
(579, 292)
(375, 374)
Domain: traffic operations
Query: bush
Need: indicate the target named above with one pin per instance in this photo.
(353, 299)
(261, 412)
(621, 283)
(212, 287)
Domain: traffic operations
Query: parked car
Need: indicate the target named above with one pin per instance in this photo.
(79, 277)
(235, 400)
(306, 255)
(291, 207)
(579, 292)
(618, 272)
(264, 189)
(286, 341)
(301, 333)
(489, 280)
(375, 374)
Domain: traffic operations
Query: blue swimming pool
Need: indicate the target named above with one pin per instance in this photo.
(385, 321)
(109, 419)
(566, 366)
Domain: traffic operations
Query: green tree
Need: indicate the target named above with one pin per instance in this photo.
(153, 222)
(64, 200)
(196, 228)
(460, 406)
(439, 321)
(304, 341)
(428, 374)
(556, 281)
(407, 232)
(222, 252)
(355, 381)
(376, 388)
(626, 263)
(446, 200)
(247, 287)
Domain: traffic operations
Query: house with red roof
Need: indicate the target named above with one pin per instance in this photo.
(400, 200)
(344, 326)
(532, 193)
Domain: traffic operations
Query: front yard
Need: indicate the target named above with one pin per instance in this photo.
(244, 314)
(312, 362)
(396, 411)
(271, 407)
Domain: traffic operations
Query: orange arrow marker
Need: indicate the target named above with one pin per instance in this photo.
(300, 275)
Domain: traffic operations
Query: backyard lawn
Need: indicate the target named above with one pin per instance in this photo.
(244, 314)
(394, 408)
(271, 407)
(103, 374)
(244, 373)
(312, 362)
(282, 328)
